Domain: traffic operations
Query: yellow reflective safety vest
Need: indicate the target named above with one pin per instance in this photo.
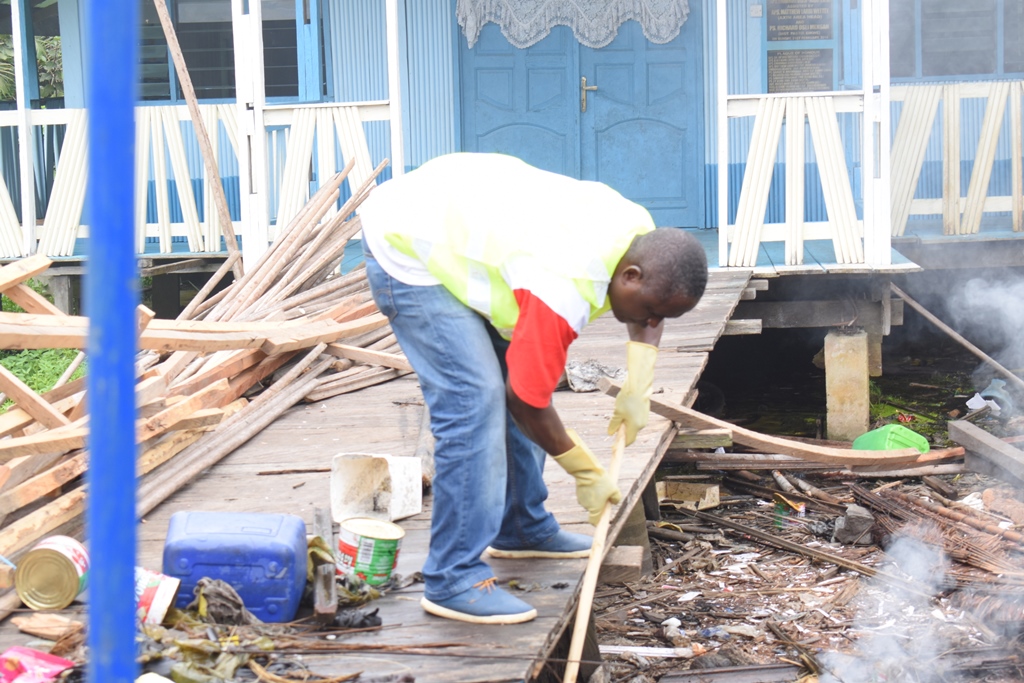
(485, 225)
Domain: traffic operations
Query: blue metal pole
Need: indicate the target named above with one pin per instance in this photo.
(111, 295)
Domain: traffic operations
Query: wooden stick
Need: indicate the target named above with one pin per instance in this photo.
(201, 295)
(586, 602)
(236, 430)
(953, 333)
(212, 172)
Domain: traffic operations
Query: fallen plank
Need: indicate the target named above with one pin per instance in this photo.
(332, 333)
(991, 449)
(688, 417)
(51, 441)
(69, 333)
(22, 533)
(29, 401)
(31, 300)
(16, 419)
(212, 396)
(231, 366)
(22, 269)
(41, 484)
(361, 355)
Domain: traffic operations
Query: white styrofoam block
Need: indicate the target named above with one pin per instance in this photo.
(383, 487)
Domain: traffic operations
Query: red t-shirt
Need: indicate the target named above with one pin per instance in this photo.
(536, 356)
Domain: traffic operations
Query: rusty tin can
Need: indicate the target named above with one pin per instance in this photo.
(52, 573)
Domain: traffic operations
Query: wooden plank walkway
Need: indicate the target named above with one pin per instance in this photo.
(385, 419)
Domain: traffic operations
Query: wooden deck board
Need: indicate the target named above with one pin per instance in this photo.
(386, 419)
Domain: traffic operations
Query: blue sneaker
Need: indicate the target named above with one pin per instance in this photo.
(484, 603)
(564, 544)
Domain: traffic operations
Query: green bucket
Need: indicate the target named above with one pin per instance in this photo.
(891, 437)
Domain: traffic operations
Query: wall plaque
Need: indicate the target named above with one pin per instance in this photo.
(799, 70)
(800, 19)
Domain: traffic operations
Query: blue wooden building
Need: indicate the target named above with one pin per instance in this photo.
(805, 134)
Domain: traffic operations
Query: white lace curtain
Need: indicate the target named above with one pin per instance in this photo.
(594, 22)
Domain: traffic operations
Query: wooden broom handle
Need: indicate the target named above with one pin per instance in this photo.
(586, 601)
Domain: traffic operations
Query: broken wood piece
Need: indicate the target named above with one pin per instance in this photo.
(622, 564)
(331, 333)
(31, 301)
(812, 490)
(47, 625)
(24, 532)
(51, 441)
(688, 417)
(782, 482)
(987, 448)
(6, 576)
(234, 364)
(22, 269)
(29, 401)
(16, 419)
(38, 486)
(940, 487)
(360, 355)
(325, 588)
(693, 439)
(212, 396)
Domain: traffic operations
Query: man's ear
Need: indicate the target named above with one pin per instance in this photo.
(632, 274)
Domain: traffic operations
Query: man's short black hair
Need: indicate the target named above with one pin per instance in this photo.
(673, 262)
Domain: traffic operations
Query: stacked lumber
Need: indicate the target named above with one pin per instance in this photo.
(291, 328)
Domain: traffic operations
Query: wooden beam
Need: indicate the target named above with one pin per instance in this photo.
(168, 268)
(21, 270)
(31, 300)
(687, 439)
(361, 355)
(989, 448)
(35, 488)
(51, 441)
(790, 314)
(212, 396)
(688, 417)
(29, 401)
(737, 327)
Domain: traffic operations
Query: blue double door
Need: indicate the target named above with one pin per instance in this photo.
(629, 114)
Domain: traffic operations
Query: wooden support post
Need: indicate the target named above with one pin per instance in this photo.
(60, 289)
(634, 532)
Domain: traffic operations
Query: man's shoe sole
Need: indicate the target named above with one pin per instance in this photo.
(439, 611)
(520, 554)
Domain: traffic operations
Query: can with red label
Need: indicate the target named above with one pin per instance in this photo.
(52, 573)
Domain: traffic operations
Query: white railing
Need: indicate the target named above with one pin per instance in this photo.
(161, 157)
(961, 215)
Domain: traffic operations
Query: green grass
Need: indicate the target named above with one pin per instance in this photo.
(38, 368)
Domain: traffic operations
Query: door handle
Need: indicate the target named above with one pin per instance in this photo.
(583, 93)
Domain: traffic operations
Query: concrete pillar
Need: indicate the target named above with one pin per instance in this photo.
(847, 394)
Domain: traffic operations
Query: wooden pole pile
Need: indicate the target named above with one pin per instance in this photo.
(292, 328)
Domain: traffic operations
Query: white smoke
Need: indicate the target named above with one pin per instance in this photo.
(989, 311)
(897, 638)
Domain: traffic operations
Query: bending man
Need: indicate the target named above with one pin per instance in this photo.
(488, 269)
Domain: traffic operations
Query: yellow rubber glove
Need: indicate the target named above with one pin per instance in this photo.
(593, 485)
(633, 404)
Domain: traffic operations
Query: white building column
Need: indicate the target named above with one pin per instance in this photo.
(26, 148)
(250, 96)
(875, 135)
(395, 88)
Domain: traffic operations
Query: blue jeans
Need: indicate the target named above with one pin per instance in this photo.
(488, 481)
